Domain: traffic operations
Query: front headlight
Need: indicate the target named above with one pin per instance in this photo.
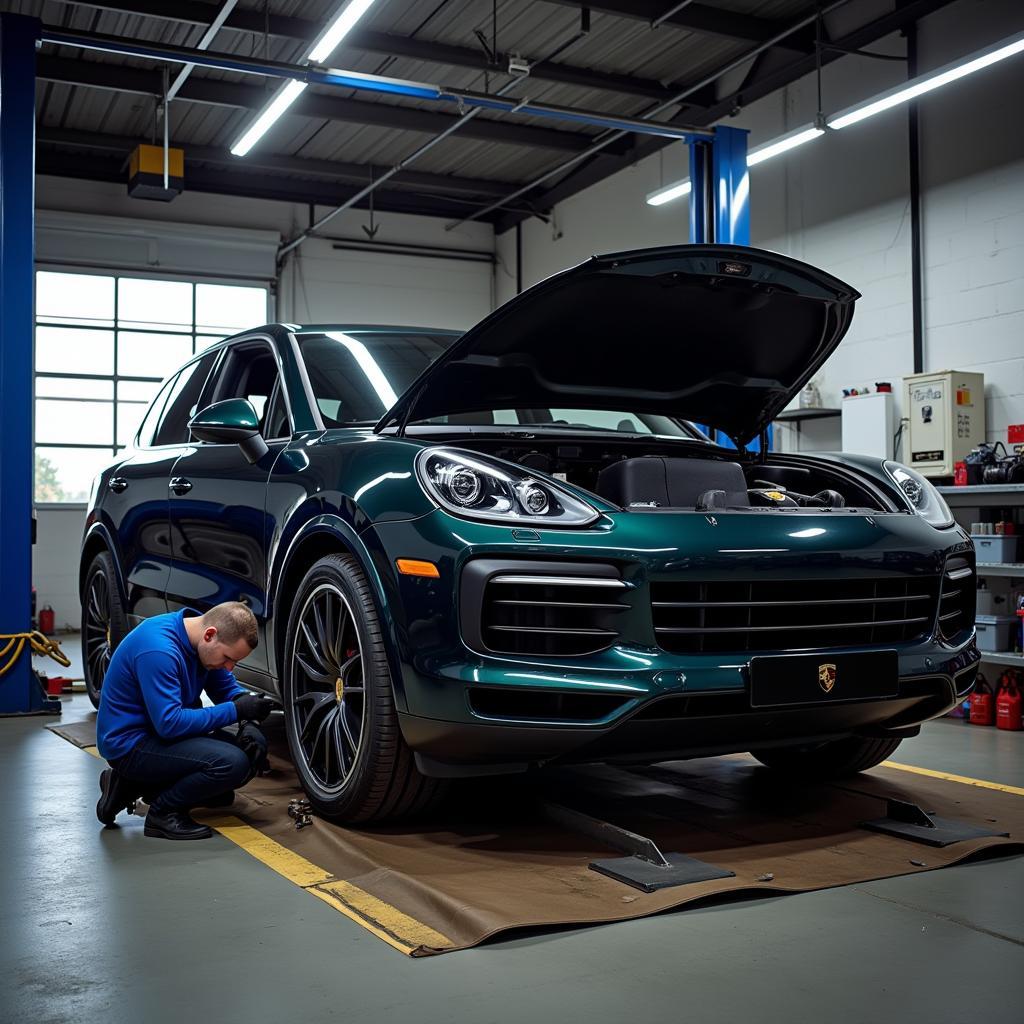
(921, 494)
(471, 485)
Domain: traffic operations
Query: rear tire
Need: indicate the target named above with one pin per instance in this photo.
(104, 622)
(829, 760)
(342, 726)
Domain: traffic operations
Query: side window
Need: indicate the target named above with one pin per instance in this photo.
(183, 401)
(251, 374)
(148, 428)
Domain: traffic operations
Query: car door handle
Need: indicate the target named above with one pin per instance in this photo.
(180, 485)
(118, 484)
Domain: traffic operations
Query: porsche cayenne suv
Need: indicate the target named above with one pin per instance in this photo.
(486, 553)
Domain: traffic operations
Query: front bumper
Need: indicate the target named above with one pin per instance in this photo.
(648, 703)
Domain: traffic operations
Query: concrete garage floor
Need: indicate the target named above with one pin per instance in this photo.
(107, 925)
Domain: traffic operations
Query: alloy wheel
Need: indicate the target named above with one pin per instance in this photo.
(328, 687)
(98, 639)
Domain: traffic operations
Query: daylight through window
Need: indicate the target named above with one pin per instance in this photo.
(103, 344)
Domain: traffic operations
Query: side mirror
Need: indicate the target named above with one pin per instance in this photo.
(233, 421)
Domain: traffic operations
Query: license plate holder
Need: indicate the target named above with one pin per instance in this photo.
(780, 680)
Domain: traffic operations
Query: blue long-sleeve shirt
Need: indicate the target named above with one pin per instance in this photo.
(153, 686)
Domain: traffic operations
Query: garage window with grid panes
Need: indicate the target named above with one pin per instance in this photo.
(103, 344)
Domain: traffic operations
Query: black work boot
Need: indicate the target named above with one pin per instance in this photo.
(174, 825)
(116, 795)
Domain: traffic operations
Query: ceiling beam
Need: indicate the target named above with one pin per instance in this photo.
(697, 17)
(196, 12)
(340, 173)
(119, 78)
(253, 185)
(770, 81)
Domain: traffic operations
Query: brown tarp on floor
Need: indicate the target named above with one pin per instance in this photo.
(490, 862)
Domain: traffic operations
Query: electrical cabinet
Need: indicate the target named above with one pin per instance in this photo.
(946, 419)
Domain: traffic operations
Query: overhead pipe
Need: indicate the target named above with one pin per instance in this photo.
(204, 44)
(363, 83)
(412, 157)
(660, 108)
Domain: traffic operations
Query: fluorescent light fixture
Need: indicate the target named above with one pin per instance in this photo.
(338, 29)
(670, 192)
(932, 80)
(852, 115)
(283, 99)
(782, 144)
(286, 96)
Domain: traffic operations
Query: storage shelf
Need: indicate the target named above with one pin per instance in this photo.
(798, 415)
(1001, 569)
(983, 495)
(1002, 658)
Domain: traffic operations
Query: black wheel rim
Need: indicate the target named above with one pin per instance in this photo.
(98, 645)
(328, 688)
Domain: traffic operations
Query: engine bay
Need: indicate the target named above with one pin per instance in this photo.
(685, 476)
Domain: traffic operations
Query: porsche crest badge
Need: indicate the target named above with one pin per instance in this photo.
(827, 676)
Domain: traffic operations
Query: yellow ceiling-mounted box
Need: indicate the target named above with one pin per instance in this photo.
(146, 173)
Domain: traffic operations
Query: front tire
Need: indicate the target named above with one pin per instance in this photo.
(339, 707)
(104, 622)
(829, 760)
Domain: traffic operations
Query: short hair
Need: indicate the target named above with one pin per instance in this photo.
(233, 621)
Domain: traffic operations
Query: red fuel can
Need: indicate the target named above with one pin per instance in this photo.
(982, 704)
(1008, 705)
(46, 622)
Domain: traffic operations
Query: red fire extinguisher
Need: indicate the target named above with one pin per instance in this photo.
(46, 623)
(1008, 704)
(982, 703)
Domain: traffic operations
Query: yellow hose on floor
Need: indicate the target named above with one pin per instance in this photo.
(38, 642)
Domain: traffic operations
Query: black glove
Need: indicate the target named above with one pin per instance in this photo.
(253, 744)
(252, 708)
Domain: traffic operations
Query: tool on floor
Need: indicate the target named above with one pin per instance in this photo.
(646, 867)
(302, 812)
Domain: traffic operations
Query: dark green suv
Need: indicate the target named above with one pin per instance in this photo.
(482, 554)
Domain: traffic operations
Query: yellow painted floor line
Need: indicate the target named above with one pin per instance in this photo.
(965, 779)
(292, 866)
(397, 929)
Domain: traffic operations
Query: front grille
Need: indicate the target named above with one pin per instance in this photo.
(958, 599)
(726, 616)
(527, 613)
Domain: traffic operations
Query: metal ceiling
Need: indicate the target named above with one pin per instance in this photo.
(93, 108)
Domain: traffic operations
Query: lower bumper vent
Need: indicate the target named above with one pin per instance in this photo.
(558, 615)
(958, 599)
(543, 705)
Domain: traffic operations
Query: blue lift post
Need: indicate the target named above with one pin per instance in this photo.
(19, 692)
(720, 208)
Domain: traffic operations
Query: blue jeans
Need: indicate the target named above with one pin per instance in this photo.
(182, 774)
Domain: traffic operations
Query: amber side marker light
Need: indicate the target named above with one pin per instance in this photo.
(414, 567)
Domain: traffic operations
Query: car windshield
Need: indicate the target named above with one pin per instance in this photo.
(574, 419)
(357, 376)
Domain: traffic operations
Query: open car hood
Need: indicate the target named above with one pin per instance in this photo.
(722, 335)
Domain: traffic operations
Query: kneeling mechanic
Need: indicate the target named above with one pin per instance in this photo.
(159, 740)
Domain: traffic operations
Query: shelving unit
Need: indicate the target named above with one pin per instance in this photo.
(798, 416)
(991, 496)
